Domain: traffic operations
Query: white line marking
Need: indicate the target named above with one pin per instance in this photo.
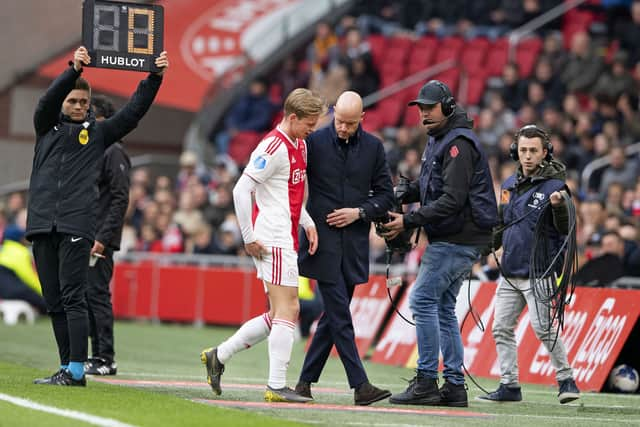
(68, 413)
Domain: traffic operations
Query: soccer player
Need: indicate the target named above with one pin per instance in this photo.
(276, 173)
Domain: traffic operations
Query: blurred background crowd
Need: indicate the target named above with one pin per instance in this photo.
(577, 76)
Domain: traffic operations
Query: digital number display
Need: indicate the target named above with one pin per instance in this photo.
(127, 36)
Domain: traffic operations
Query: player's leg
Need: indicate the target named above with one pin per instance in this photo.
(282, 289)
(250, 333)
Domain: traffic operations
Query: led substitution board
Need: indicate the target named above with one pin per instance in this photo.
(126, 36)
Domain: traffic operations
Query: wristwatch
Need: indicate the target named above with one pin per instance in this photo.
(362, 214)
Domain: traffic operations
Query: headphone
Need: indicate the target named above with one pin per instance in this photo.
(447, 102)
(531, 131)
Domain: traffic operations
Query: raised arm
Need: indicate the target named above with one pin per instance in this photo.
(48, 109)
(127, 118)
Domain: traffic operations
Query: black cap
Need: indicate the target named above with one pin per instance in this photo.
(431, 93)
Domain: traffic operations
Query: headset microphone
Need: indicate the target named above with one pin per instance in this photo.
(432, 122)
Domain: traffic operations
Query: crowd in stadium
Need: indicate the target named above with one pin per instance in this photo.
(582, 87)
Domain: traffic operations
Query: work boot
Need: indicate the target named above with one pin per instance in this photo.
(454, 394)
(421, 391)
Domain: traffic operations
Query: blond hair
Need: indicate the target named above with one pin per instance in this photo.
(304, 103)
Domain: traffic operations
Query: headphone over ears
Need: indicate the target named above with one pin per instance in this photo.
(447, 102)
(531, 131)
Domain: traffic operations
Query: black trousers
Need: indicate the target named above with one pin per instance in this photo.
(100, 309)
(12, 287)
(62, 261)
(334, 327)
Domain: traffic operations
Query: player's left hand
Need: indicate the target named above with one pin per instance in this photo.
(312, 237)
(342, 217)
(393, 227)
(162, 62)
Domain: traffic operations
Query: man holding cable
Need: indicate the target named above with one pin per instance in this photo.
(539, 179)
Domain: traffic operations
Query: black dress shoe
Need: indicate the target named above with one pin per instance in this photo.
(366, 393)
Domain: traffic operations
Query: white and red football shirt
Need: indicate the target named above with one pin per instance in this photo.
(279, 165)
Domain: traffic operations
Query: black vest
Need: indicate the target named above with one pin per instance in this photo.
(481, 199)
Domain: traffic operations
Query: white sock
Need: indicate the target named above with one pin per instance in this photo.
(249, 334)
(280, 346)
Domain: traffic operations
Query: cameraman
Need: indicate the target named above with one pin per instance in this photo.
(457, 210)
(344, 165)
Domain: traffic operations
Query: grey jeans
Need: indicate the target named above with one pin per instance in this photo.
(509, 305)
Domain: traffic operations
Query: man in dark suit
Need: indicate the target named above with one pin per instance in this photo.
(349, 185)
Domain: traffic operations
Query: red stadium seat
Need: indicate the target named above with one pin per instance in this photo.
(372, 120)
(378, 44)
(395, 56)
(455, 43)
(497, 57)
(526, 60)
(446, 53)
(475, 85)
(242, 145)
(391, 110)
(473, 58)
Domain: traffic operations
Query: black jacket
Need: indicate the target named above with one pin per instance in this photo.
(343, 175)
(63, 191)
(456, 172)
(113, 185)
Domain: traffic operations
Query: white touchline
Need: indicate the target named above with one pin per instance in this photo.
(87, 418)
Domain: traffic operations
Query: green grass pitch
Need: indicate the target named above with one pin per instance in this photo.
(161, 382)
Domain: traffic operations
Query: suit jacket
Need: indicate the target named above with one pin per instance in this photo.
(343, 175)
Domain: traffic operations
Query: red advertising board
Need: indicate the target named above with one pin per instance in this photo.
(397, 346)
(597, 324)
(369, 306)
(147, 290)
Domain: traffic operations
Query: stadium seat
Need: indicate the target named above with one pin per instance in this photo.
(454, 43)
(378, 45)
(472, 58)
(395, 56)
(391, 111)
(446, 53)
(527, 52)
(372, 120)
(497, 57)
(242, 145)
(475, 84)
